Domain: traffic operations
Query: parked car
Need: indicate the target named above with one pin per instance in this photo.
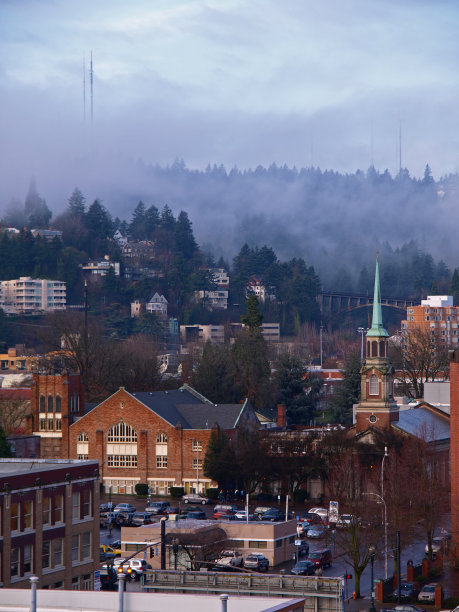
(322, 512)
(403, 608)
(172, 510)
(438, 543)
(116, 545)
(241, 515)
(260, 510)
(108, 518)
(106, 556)
(109, 579)
(196, 514)
(317, 531)
(195, 498)
(110, 549)
(321, 558)
(257, 562)
(344, 520)
(141, 518)
(304, 568)
(106, 507)
(408, 590)
(224, 511)
(124, 519)
(159, 507)
(129, 508)
(427, 593)
(232, 558)
(273, 514)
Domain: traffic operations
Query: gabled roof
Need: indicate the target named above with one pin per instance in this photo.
(424, 422)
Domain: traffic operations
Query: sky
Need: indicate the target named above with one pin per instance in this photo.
(235, 82)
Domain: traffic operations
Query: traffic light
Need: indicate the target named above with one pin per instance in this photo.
(152, 552)
(348, 576)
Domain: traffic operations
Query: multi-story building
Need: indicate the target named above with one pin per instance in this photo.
(17, 360)
(202, 333)
(216, 299)
(158, 305)
(30, 295)
(220, 277)
(438, 315)
(256, 286)
(49, 523)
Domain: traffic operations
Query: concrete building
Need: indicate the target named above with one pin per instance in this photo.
(212, 300)
(49, 523)
(202, 333)
(27, 295)
(437, 315)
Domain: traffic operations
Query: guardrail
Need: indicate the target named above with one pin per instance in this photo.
(322, 594)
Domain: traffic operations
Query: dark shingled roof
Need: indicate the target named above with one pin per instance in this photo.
(425, 423)
(191, 410)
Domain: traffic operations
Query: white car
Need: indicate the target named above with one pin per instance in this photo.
(322, 512)
(427, 592)
(137, 565)
(241, 515)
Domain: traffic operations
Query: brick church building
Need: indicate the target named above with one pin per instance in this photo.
(158, 438)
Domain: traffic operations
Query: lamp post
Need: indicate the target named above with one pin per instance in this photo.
(372, 550)
(385, 529)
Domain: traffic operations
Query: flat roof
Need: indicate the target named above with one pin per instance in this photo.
(27, 466)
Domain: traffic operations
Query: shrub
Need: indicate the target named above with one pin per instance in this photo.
(177, 491)
(141, 488)
(212, 493)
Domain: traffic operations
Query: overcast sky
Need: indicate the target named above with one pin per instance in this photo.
(303, 82)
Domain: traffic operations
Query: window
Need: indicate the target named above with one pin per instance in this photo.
(28, 558)
(76, 505)
(278, 543)
(58, 509)
(161, 438)
(374, 348)
(161, 461)
(75, 548)
(75, 583)
(50, 425)
(291, 539)
(86, 545)
(196, 445)
(87, 583)
(122, 460)
(257, 544)
(197, 464)
(42, 425)
(28, 515)
(46, 511)
(14, 562)
(58, 425)
(83, 437)
(83, 457)
(374, 385)
(14, 523)
(57, 552)
(50, 403)
(58, 403)
(45, 557)
(122, 432)
(87, 503)
(42, 403)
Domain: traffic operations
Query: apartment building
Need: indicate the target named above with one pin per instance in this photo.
(28, 295)
(217, 299)
(98, 268)
(49, 523)
(436, 314)
(202, 333)
(256, 286)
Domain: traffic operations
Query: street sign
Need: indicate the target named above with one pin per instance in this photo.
(297, 542)
(97, 580)
(333, 512)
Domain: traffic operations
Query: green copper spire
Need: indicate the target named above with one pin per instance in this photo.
(377, 327)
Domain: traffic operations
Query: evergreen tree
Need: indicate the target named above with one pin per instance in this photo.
(137, 230)
(347, 391)
(454, 287)
(253, 372)
(253, 319)
(99, 222)
(36, 211)
(219, 460)
(76, 204)
(214, 375)
(5, 447)
(185, 243)
(151, 221)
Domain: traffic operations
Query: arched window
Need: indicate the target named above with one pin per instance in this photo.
(382, 348)
(42, 403)
(83, 437)
(58, 403)
(125, 454)
(161, 438)
(122, 432)
(374, 385)
(374, 348)
(50, 403)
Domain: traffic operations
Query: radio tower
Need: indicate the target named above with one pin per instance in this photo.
(91, 85)
(84, 89)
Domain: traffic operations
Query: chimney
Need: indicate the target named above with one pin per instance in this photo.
(281, 415)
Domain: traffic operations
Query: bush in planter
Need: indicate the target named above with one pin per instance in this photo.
(212, 493)
(141, 488)
(177, 492)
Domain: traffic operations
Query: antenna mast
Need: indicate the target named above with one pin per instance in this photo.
(91, 84)
(400, 147)
(84, 89)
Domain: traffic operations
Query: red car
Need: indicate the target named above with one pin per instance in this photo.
(224, 514)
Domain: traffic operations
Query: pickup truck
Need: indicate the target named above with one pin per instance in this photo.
(230, 558)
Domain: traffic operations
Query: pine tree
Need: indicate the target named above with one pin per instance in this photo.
(454, 287)
(185, 243)
(76, 204)
(347, 392)
(219, 460)
(5, 447)
(253, 319)
(137, 225)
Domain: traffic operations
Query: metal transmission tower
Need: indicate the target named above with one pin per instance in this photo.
(91, 85)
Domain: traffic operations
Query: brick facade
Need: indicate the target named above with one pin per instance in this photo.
(454, 453)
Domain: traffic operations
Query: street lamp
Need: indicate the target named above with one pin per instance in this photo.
(385, 529)
(372, 551)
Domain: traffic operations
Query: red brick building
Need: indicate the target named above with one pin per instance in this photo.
(158, 438)
(454, 453)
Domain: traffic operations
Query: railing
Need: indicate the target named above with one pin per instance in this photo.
(322, 594)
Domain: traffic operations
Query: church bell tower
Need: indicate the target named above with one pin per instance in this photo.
(377, 407)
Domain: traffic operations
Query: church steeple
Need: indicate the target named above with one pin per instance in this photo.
(377, 327)
(377, 406)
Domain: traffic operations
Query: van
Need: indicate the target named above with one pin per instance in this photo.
(321, 558)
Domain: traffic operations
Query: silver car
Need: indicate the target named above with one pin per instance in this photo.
(195, 498)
